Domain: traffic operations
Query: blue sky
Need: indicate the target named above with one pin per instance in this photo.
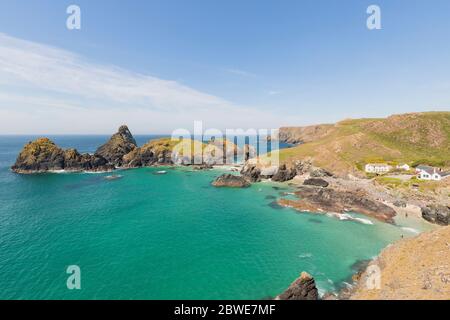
(229, 63)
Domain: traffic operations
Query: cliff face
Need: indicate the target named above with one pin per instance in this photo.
(412, 269)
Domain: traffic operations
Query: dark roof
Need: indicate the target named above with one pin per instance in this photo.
(424, 167)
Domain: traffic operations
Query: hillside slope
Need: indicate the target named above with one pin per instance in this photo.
(412, 269)
(346, 146)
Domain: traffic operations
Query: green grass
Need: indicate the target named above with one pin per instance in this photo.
(410, 138)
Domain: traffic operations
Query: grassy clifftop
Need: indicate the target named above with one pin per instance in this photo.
(412, 269)
(346, 146)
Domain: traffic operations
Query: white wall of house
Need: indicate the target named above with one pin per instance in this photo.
(423, 175)
(404, 167)
(372, 168)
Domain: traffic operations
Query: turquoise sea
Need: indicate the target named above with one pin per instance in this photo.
(173, 236)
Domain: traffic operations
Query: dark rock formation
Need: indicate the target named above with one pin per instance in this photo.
(232, 181)
(44, 155)
(202, 167)
(284, 174)
(304, 288)
(437, 214)
(120, 151)
(251, 172)
(303, 167)
(157, 152)
(400, 204)
(74, 161)
(39, 156)
(317, 199)
(320, 173)
(316, 182)
(118, 145)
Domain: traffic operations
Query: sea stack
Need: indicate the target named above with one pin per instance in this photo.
(120, 144)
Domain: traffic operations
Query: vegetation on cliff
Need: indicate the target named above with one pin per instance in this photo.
(346, 146)
(44, 155)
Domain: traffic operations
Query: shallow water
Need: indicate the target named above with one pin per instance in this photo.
(171, 236)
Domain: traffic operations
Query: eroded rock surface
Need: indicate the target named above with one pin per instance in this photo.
(317, 199)
(437, 214)
(304, 288)
(44, 155)
(232, 181)
(120, 144)
(316, 182)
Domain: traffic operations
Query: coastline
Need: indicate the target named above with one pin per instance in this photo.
(409, 213)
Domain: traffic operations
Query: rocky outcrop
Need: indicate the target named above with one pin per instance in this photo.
(255, 172)
(303, 166)
(120, 151)
(117, 147)
(44, 155)
(304, 288)
(320, 173)
(232, 181)
(437, 214)
(284, 174)
(251, 172)
(201, 167)
(317, 199)
(157, 152)
(317, 182)
(74, 161)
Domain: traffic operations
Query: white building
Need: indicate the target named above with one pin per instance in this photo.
(430, 173)
(403, 167)
(377, 168)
